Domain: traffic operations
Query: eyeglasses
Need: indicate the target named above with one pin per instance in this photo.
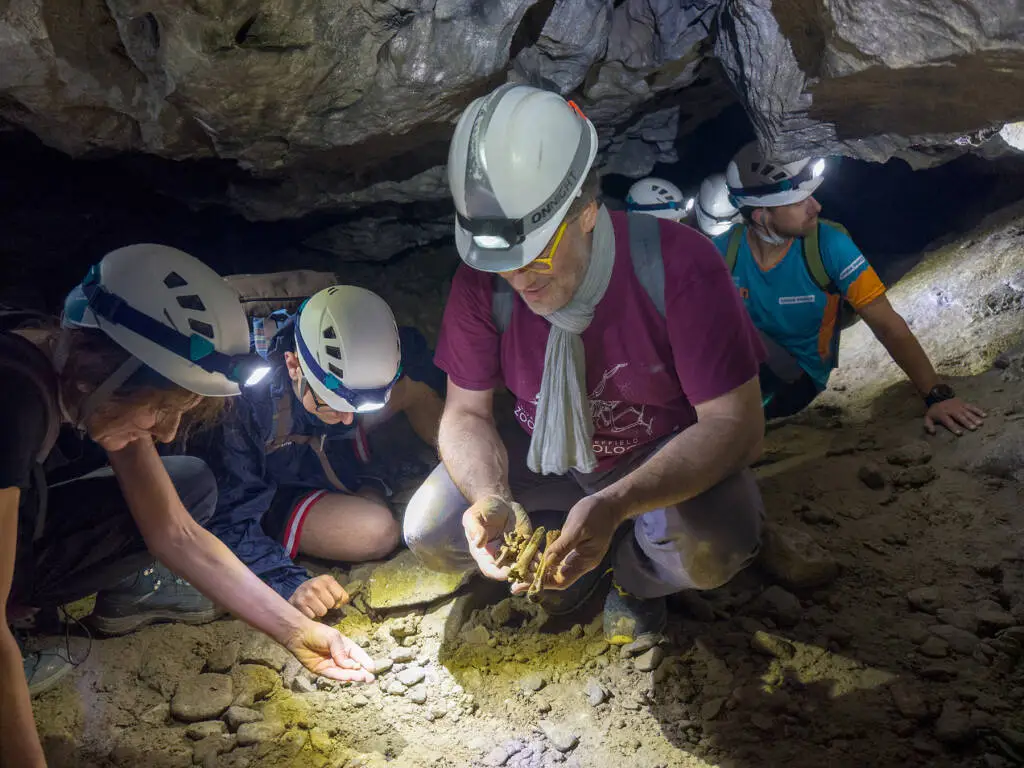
(319, 406)
(543, 265)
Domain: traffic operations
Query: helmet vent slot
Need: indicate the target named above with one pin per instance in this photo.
(329, 333)
(174, 280)
(192, 301)
(334, 352)
(336, 370)
(203, 329)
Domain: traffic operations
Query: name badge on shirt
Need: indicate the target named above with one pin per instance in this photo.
(786, 300)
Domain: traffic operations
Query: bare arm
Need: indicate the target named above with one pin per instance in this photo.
(470, 447)
(900, 342)
(902, 345)
(19, 742)
(421, 405)
(193, 552)
(727, 437)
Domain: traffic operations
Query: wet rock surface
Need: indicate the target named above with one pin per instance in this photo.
(204, 697)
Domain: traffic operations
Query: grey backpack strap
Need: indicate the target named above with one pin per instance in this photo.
(501, 303)
(645, 250)
(281, 424)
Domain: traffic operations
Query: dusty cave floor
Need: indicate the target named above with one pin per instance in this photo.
(896, 637)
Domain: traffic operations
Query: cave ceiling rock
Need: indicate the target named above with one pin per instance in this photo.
(873, 78)
(377, 239)
(332, 106)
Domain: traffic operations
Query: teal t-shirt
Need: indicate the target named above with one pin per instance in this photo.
(787, 305)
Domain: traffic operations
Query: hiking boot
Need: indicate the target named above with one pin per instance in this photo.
(152, 595)
(559, 602)
(44, 669)
(630, 620)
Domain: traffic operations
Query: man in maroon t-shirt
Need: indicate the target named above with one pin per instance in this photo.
(639, 423)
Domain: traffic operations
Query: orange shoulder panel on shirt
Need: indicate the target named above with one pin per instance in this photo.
(865, 289)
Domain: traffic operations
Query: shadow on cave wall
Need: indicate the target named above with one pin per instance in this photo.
(58, 215)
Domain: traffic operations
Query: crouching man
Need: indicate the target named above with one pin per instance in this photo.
(637, 396)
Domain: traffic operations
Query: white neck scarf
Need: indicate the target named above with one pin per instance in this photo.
(563, 432)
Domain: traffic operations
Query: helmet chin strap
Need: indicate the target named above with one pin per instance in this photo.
(103, 392)
(766, 235)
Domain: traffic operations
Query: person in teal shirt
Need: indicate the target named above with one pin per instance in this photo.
(795, 273)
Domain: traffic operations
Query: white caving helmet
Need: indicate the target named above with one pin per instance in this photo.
(658, 197)
(715, 214)
(347, 343)
(755, 182)
(172, 313)
(516, 163)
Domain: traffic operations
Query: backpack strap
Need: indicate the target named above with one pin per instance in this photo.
(280, 428)
(648, 264)
(502, 298)
(21, 355)
(18, 355)
(732, 252)
(814, 263)
(648, 261)
(280, 424)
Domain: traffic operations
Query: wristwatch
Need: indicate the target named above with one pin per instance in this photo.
(939, 393)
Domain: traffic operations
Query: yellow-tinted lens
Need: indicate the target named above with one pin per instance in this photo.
(543, 263)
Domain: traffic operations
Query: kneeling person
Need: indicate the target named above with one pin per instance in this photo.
(286, 459)
(639, 416)
(794, 272)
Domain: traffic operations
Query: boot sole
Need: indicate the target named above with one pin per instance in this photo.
(112, 626)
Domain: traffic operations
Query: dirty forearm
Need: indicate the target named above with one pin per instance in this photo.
(473, 454)
(727, 437)
(19, 743)
(194, 553)
(906, 351)
(691, 463)
(203, 560)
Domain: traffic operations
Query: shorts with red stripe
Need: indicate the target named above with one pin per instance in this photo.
(288, 513)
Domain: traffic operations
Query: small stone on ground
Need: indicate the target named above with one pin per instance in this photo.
(203, 697)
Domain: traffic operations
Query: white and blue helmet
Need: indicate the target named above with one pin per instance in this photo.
(173, 314)
(347, 343)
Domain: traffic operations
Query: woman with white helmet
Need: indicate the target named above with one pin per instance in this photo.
(660, 198)
(293, 464)
(151, 336)
(715, 213)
